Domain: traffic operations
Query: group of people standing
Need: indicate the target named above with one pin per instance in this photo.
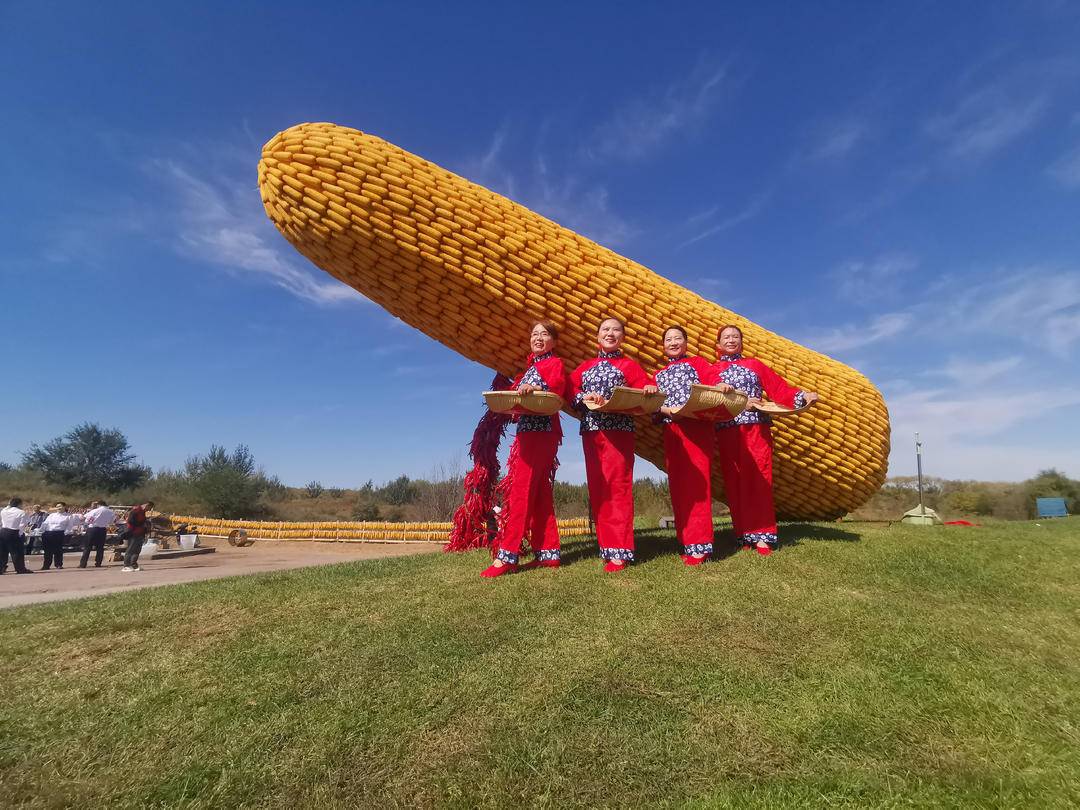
(18, 529)
(743, 445)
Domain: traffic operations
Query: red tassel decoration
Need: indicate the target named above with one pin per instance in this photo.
(470, 529)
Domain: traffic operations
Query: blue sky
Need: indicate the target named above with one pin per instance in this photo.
(894, 184)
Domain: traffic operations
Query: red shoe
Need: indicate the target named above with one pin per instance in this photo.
(540, 564)
(611, 566)
(498, 570)
(689, 559)
(764, 551)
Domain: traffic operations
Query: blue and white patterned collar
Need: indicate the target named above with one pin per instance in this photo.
(536, 358)
(731, 358)
(609, 355)
(678, 359)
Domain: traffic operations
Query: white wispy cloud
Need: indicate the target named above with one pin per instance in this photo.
(968, 431)
(1040, 307)
(985, 122)
(869, 281)
(837, 140)
(893, 187)
(1066, 169)
(754, 207)
(568, 199)
(702, 216)
(988, 115)
(968, 372)
(642, 125)
(857, 336)
(220, 220)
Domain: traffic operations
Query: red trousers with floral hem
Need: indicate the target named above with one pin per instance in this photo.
(609, 468)
(746, 462)
(530, 502)
(689, 445)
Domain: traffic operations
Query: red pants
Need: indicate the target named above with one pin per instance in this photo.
(746, 462)
(688, 450)
(530, 504)
(609, 468)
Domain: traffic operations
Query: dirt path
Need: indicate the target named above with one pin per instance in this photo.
(266, 555)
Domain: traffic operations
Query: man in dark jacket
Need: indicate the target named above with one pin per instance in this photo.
(138, 526)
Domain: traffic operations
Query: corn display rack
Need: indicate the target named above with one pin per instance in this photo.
(344, 531)
(471, 269)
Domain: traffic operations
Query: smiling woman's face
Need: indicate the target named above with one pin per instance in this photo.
(730, 341)
(674, 343)
(541, 341)
(610, 335)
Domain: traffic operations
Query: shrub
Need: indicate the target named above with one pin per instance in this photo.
(226, 484)
(366, 510)
(399, 492)
(1051, 484)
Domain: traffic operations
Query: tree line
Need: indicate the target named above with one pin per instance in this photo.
(90, 462)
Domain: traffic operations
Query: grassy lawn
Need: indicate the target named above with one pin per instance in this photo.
(863, 665)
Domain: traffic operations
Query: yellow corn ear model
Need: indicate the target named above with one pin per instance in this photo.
(471, 268)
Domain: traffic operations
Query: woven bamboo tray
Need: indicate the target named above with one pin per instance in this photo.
(632, 401)
(539, 403)
(712, 404)
(773, 409)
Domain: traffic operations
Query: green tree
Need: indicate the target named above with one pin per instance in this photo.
(1052, 484)
(88, 457)
(226, 484)
(314, 489)
(399, 492)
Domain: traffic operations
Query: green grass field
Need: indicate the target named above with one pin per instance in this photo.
(861, 666)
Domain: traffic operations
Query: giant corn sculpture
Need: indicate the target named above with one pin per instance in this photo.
(471, 269)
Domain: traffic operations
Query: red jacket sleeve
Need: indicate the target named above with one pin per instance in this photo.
(574, 385)
(554, 375)
(704, 370)
(635, 375)
(775, 386)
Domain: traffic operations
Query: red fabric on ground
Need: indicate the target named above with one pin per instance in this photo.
(609, 468)
(688, 450)
(745, 454)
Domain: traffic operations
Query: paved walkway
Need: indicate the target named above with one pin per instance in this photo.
(266, 555)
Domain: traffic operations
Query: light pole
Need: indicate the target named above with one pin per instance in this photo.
(918, 467)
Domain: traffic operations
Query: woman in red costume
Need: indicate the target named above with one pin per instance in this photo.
(689, 445)
(530, 506)
(745, 442)
(608, 440)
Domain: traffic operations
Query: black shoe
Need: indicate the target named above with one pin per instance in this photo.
(43, 569)
(97, 565)
(82, 566)
(59, 568)
(27, 571)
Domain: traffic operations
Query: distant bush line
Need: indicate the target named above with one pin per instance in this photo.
(90, 462)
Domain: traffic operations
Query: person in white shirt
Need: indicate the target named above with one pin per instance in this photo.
(57, 524)
(12, 526)
(97, 520)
